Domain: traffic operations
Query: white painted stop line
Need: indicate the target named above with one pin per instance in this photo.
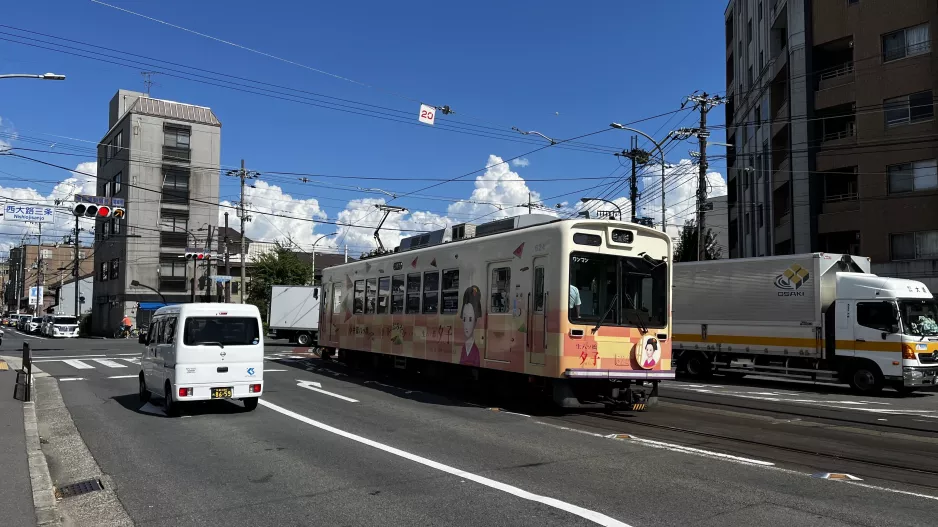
(593, 516)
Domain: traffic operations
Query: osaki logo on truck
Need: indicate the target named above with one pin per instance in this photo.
(792, 280)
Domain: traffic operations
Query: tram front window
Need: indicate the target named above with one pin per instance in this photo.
(622, 291)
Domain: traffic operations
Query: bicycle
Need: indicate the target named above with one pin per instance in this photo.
(122, 333)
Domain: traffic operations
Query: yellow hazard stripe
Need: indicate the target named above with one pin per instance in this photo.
(4, 366)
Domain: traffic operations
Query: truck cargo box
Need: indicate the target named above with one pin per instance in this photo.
(294, 308)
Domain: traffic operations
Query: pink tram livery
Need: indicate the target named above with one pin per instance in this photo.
(579, 306)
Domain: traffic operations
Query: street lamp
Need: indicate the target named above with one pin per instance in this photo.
(313, 279)
(587, 200)
(661, 153)
(44, 76)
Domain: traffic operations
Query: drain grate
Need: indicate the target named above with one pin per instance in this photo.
(76, 489)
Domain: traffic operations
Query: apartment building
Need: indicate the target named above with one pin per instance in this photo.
(162, 157)
(832, 114)
(49, 264)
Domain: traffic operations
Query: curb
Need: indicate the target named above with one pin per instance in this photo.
(40, 479)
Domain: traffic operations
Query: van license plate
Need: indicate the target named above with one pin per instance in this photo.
(221, 393)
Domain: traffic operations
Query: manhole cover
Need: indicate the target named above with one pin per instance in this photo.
(75, 489)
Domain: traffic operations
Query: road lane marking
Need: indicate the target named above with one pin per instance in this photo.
(75, 363)
(109, 363)
(316, 387)
(64, 379)
(265, 371)
(63, 357)
(123, 377)
(593, 516)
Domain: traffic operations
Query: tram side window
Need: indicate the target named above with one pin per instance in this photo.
(371, 287)
(413, 293)
(384, 285)
(451, 291)
(500, 290)
(337, 298)
(539, 296)
(397, 294)
(431, 292)
(358, 302)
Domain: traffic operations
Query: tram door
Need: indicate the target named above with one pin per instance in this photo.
(325, 313)
(537, 313)
(499, 334)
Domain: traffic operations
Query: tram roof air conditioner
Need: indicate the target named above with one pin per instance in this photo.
(463, 231)
(422, 240)
(510, 224)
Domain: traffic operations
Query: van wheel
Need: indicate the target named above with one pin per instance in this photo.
(303, 339)
(865, 378)
(144, 392)
(169, 406)
(250, 404)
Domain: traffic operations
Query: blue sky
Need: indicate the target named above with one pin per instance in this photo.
(554, 67)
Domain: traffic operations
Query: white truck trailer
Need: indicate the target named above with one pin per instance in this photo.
(819, 317)
(294, 313)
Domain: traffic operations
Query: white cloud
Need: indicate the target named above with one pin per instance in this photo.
(520, 162)
(13, 232)
(680, 195)
(265, 200)
(365, 216)
(498, 185)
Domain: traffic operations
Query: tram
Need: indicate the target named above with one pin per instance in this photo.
(579, 306)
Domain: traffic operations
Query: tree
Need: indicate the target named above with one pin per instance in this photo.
(277, 267)
(686, 249)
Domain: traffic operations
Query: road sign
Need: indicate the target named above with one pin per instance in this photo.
(27, 212)
(427, 114)
(33, 297)
(220, 279)
(100, 200)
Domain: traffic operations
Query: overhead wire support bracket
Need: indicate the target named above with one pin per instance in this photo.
(533, 132)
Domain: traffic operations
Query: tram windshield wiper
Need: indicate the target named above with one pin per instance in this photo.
(602, 319)
(638, 316)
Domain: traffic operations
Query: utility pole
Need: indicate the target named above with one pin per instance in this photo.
(75, 271)
(529, 203)
(703, 103)
(208, 264)
(227, 284)
(243, 175)
(633, 184)
(39, 265)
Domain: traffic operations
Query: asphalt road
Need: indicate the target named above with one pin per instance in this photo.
(373, 449)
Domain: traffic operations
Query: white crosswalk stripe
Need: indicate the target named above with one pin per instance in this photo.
(75, 363)
(91, 363)
(109, 363)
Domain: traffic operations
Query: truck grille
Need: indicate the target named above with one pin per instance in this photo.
(928, 358)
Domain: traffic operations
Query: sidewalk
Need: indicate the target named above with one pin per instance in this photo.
(16, 495)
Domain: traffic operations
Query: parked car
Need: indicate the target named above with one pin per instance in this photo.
(46, 325)
(62, 326)
(34, 324)
(23, 323)
(5, 321)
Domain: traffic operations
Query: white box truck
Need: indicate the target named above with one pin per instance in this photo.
(294, 313)
(819, 317)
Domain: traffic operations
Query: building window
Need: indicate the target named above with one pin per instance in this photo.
(759, 216)
(747, 223)
(115, 266)
(176, 143)
(413, 294)
(750, 76)
(371, 287)
(906, 42)
(913, 108)
(760, 11)
(102, 272)
(176, 187)
(451, 291)
(116, 184)
(761, 60)
(384, 288)
(397, 294)
(46, 254)
(749, 31)
(909, 177)
(431, 292)
(499, 290)
(118, 144)
(852, 2)
(173, 272)
(915, 245)
(173, 225)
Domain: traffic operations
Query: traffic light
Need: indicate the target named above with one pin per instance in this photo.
(89, 210)
(197, 255)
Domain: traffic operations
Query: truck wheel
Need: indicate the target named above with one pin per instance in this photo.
(303, 339)
(866, 378)
(697, 365)
(250, 404)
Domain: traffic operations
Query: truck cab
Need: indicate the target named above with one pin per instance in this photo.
(887, 330)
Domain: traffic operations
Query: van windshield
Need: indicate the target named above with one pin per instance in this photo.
(224, 331)
(65, 320)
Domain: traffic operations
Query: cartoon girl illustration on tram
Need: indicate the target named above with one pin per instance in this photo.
(470, 315)
(650, 355)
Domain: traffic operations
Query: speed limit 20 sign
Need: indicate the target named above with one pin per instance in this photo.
(427, 114)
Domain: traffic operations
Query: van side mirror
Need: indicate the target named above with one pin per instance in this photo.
(142, 339)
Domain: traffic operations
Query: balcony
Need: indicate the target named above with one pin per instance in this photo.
(173, 239)
(173, 284)
(176, 154)
(175, 196)
(835, 87)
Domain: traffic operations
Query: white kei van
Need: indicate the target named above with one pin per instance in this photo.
(197, 352)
